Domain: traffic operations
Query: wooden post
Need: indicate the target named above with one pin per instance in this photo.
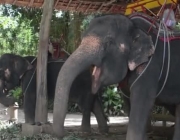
(41, 101)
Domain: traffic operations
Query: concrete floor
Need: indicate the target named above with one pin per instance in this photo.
(71, 119)
(74, 119)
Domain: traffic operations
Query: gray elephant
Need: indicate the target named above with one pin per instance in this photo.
(117, 45)
(7, 78)
(80, 91)
(124, 88)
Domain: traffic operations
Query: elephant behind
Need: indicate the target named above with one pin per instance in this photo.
(8, 76)
(80, 92)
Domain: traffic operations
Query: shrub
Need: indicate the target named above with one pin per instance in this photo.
(17, 94)
(112, 101)
(73, 107)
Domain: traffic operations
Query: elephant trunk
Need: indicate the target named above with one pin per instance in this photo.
(1, 87)
(6, 101)
(82, 58)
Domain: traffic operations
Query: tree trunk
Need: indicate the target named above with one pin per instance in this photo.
(41, 91)
(66, 30)
(77, 29)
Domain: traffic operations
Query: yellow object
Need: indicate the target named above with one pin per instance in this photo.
(149, 4)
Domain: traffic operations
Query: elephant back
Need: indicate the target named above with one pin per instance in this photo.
(148, 23)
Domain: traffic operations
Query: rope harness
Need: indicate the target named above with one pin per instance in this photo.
(57, 61)
(166, 35)
(168, 66)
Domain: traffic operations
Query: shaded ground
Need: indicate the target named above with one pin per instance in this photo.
(71, 119)
(118, 128)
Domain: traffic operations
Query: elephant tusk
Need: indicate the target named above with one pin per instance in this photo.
(132, 65)
(96, 79)
(94, 71)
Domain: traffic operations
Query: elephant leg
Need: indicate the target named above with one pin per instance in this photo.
(142, 101)
(87, 107)
(126, 105)
(29, 107)
(171, 109)
(177, 124)
(85, 125)
(100, 116)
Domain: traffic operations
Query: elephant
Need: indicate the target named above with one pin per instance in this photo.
(6, 76)
(80, 91)
(123, 87)
(118, 45)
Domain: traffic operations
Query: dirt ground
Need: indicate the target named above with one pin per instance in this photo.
(118, 132)
(117, 127)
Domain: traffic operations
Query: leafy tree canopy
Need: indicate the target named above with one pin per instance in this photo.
(20, 29)
(17, 34)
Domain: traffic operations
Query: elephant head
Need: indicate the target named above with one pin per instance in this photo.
(6, 101)
(12, 68)
(112, 44)
(141, 49)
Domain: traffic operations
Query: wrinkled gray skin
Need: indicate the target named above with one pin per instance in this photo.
(113, 44)
(7, 74)
(6, 101)
(124, 87)
(116, 44)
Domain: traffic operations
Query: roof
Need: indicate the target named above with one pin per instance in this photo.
(85, 6)
(92, 6)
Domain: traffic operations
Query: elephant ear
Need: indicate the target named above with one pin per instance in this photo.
(141, 49)
(13, 65)
(21, 65)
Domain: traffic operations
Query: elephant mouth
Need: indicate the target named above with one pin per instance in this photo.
(96, 79)
(135, 63)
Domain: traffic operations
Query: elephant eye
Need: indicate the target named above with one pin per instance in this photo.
(136, 38)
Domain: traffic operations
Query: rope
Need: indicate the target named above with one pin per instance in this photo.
(33, 60)
(149, 60)
(169, 58)
(164, 54)
(31, 76)
(162, 7)
(35, 71)
(123, 94)
(168, 67)
(30, 80)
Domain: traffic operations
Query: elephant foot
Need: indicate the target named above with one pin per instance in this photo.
(59, 134)
(38, 123)
(104, 130)
(31, 122)
(85, 129)
(48, 122)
